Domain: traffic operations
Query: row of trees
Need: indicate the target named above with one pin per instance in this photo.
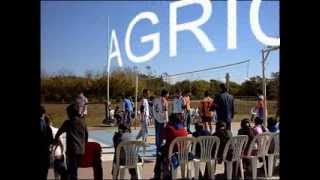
(63, 87)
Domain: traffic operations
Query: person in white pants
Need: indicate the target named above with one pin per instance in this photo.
(144, 116)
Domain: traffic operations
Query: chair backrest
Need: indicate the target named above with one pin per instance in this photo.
(236, 146)
(206, 146)
(131, 151)
(182, 146)
(261, 144)
(275, 144)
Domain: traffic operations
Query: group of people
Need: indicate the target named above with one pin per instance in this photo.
(177, 124)
(167, 128)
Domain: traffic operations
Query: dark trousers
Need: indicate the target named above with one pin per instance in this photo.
(72, 165)
(228, 126)
(187, 120)
(128, 115)
(158, 126)
(44, 166)
(97, 167)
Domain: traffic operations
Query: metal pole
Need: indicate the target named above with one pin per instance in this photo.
(227, 81)
(108, 74)
(264, 86)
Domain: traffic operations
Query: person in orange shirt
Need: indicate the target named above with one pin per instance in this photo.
(187, 106)
(205, 111)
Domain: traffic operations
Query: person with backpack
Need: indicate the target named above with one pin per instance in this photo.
(205, 111)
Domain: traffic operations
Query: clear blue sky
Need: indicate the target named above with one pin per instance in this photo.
(74, 37)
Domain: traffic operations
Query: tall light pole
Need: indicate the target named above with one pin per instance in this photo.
(108, 73)
(265, 53)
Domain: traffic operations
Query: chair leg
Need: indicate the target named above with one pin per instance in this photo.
(254, 167)
(196, 169)
(115, 172)
(229, 169)
(183, 170)
(122, 173)
(173, 173)
(210, 169)
(190, 171)
(139, 171)
(265, 166)
(270, 165)
(237, 168)
(241, 169)
(214, 167)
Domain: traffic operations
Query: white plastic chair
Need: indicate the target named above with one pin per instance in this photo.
(260, 143)
(236, 144)
(182, 146)
(131, 151)
(275, 152)
(206, 146)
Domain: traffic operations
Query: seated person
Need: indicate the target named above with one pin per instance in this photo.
(173, 129)
(272, 125)
(224, 135)
(246, 129)
(258, 127)
(200, 131)
(123, 134)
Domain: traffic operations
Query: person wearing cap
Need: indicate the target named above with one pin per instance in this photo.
(259, 108)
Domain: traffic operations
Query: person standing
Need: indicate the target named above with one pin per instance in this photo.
(224, 106)
(187, 107)
(144, 116)
(82, 103)
(77, 137)
(160, 112)
(205, 111)
(46, 139)
(177, 106)
(128, 110)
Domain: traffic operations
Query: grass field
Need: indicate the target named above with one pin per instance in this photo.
(96, 112)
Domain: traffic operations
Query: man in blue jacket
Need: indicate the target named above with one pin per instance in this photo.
(128, 110)
(224, 106)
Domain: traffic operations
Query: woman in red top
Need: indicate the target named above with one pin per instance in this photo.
(173, 129)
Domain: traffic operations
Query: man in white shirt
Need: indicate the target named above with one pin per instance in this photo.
(144, 116)
(160, 113)
(177, 106)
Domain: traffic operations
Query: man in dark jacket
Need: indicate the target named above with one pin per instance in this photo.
(77, 137)
(224, 106)
(46, 140)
